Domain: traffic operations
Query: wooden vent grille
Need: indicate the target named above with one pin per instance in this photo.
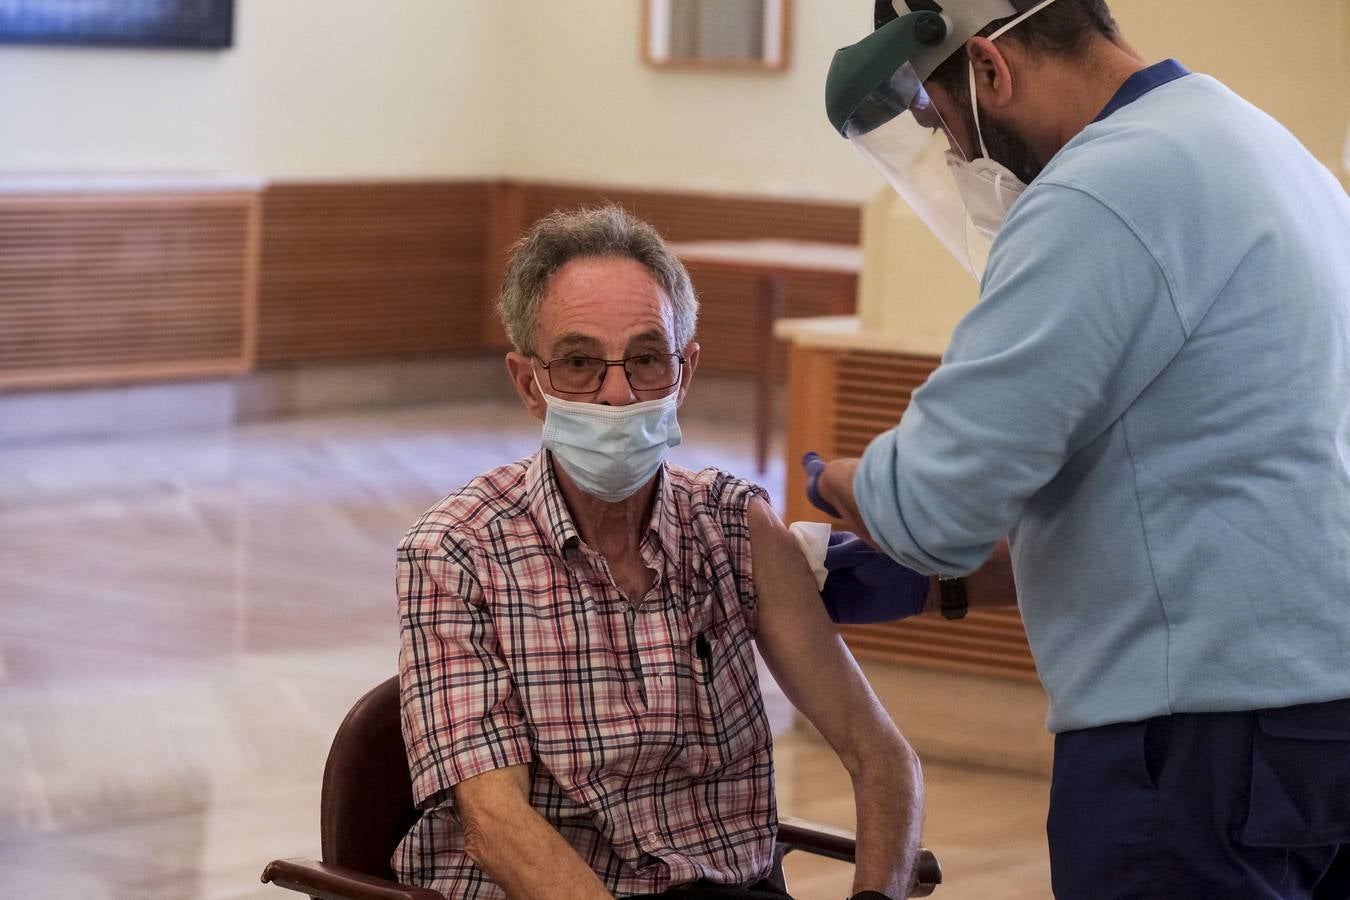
(352, 269)
(871, 392)
(986, 642)
(122, 286)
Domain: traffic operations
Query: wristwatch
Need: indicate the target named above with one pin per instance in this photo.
(869, 895)
(952, 597)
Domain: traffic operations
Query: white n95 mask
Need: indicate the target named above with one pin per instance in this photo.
(611, 451)
(988, 189)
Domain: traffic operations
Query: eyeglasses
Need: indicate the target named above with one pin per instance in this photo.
(586, 374)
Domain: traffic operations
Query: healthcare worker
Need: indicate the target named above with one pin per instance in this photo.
(1151, 400)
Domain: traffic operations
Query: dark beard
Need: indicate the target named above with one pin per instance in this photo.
(1009, 149)
(1003, 146)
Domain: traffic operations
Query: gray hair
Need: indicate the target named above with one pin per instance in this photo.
(562, 237)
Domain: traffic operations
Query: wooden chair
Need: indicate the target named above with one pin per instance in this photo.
(367, 808)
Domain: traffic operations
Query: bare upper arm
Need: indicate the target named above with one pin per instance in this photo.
(803, 648)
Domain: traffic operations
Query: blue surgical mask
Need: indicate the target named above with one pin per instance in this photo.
(611, 451)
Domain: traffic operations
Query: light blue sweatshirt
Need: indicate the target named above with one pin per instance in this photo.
(1152, 399)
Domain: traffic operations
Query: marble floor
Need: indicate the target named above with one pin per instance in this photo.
(185, 618)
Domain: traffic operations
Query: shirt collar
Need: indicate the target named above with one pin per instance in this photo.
(665, 520)
(1141, 82)
(549, 508)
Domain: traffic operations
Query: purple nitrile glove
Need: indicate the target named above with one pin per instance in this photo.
(814, 465)
(865, 585)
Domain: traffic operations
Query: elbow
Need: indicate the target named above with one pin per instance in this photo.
(480, 820)
(892, 760)
(476, 845)
(493, 807)
(909, 762)
(478, 837)
(902, 782)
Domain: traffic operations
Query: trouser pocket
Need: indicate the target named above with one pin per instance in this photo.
(1300, 777)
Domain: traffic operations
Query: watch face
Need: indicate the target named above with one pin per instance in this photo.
(953, 597)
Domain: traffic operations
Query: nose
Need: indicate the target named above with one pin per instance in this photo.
(615, 389)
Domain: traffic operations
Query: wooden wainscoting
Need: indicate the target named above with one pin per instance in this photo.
(97, 286)
(692, 216)
(355, 270)
(126, 285)
(838, 401)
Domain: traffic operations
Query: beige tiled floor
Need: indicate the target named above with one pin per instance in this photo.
(184, 619)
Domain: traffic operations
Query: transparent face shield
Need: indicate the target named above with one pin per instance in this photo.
(876, 99)
(900, 133)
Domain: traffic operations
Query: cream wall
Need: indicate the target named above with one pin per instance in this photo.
(389, 88)
(1290, 59)
(312, 88)
(445, 88)
(583, 106)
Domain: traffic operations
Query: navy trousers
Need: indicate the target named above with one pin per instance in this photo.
(1206, 805)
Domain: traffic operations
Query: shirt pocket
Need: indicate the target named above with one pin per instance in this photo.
(723, 727)
(1300, 780)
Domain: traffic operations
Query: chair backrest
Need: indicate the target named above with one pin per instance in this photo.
(367, 805)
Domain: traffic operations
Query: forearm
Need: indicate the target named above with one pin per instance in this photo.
(888, 796)
(527, 858)
(519, 850)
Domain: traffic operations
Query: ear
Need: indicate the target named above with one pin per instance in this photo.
(993, 74)
(521, 369)
(690, 354)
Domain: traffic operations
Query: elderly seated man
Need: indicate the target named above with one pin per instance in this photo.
(579, 694)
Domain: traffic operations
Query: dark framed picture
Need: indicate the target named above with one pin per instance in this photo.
(205, 24)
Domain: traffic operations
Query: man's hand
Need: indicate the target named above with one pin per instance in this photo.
(832, 482)
(865, 585)
(833, 486)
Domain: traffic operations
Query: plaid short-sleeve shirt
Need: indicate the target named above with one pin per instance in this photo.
(642, 722)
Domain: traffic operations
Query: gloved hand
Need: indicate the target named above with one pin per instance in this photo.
(814, 465)
(865, 585)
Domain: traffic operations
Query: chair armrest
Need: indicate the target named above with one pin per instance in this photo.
(822, 840)
(838, 843)
(329, 882)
